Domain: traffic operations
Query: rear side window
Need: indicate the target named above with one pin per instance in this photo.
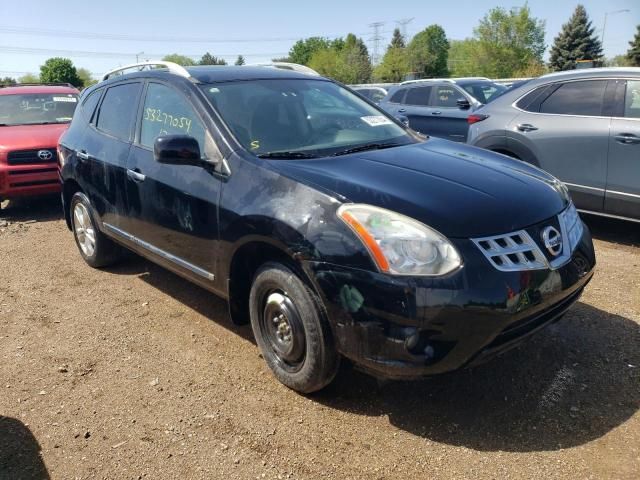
(576, 98)
(446, 96)
(166, 112)
(632, 99)
(118, 110)
(418, 96)
(90, 103)
(398, 96)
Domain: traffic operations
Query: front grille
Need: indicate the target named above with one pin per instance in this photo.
(28, 157)
(512, 252)
(517, 251)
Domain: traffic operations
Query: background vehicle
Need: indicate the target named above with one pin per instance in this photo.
(375, 94)
(32, 118)
(334, 230)
(440, 107)
(581, 126)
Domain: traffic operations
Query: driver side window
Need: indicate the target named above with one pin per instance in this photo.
(166, 112)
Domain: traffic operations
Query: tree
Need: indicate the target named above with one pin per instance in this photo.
(576, 41)
(428, 52)
(85, 76)
(59, 70)
(618, 61)
(633, 54)
(29, 78)
(397, 41)
(281, 59)
(394, 65)
(346, 60)
(208, 59)
(509, 41)
(303, 50)
(7, 81)
(179, 59)
(240, 60)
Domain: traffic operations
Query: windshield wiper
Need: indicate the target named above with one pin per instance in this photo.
(367, 146)
(285, 155)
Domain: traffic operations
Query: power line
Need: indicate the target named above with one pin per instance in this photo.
(402, 24)
(149, 38)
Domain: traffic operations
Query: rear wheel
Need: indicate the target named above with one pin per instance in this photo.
(291, 330)
(96, 249)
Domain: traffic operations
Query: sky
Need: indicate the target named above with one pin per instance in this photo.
(101, 35)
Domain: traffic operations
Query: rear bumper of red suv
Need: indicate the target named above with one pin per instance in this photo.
(29, 179)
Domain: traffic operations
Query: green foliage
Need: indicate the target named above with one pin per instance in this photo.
(85, 76)
(393, 67)
(29, 78)
(618, 61)
(8, 81)
(179, 59)
(281, 59)
(576, 41)
(465, 59)
(240, 60)
(633, 54)
(428, 52)
(59, 70)
(397, 41)
(344, 60)
(208, 59)
(303, 50)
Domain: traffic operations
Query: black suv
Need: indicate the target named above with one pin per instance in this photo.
(330, 226)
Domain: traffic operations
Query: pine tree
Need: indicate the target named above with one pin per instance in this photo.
(576, 41)
(633, 54)
(397, 41)
(208, 59)
(240, 60)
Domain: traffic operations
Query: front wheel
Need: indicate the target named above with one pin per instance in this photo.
(291, 330)
(96, 249)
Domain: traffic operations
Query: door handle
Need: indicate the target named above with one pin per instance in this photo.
(82, 155)
(437, 112)
(627, 138)
(402, 110)
(526, 127)
(135, 176)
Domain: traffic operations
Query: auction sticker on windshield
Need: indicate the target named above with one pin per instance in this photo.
(376, 120)
(65, 99)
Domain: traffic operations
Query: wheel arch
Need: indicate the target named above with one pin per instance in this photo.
(69, 189)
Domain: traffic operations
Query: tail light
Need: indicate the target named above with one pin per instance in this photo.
(476, 117)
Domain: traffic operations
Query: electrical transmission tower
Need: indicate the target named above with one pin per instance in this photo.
(376, 38)
(402, 25)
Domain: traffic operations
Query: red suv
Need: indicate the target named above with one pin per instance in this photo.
(32, 118)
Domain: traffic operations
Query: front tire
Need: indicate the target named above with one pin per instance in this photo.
(96, 249)
(291, 330)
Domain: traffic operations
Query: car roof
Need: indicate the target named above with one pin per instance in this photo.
(591, 72)
(35, 89)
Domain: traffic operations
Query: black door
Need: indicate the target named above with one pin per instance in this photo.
(103, 155)
(172, 209)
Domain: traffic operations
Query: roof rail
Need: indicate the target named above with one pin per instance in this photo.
(418, 80)
(172, 67)
(287, 66)
(35, 84)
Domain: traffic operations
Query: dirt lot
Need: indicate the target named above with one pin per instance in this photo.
(132, 372)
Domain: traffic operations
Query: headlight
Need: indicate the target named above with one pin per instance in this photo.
(61, 158)
(398, 244)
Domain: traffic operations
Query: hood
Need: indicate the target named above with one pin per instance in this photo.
(460, 191)
(30, 137)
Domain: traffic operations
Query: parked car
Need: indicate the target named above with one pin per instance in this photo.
(32, 118)
(337, 233)
(375, 94)
(440, 107)
(582, 126)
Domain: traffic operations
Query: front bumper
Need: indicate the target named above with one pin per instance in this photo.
(28, 180)
(402, 327)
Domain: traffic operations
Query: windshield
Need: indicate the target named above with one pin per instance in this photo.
(484, 92)
(37, 108)
(301, 118)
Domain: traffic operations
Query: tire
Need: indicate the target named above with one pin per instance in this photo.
(291, 329)
(96, 249)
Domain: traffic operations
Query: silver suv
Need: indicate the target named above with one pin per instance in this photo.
(582, 126)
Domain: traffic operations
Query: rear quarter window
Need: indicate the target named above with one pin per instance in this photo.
(90, 103)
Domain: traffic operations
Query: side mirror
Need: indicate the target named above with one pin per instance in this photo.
(403, 119)
(463, 104)
(177, 150)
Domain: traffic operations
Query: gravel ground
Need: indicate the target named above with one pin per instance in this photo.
(132, 372)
